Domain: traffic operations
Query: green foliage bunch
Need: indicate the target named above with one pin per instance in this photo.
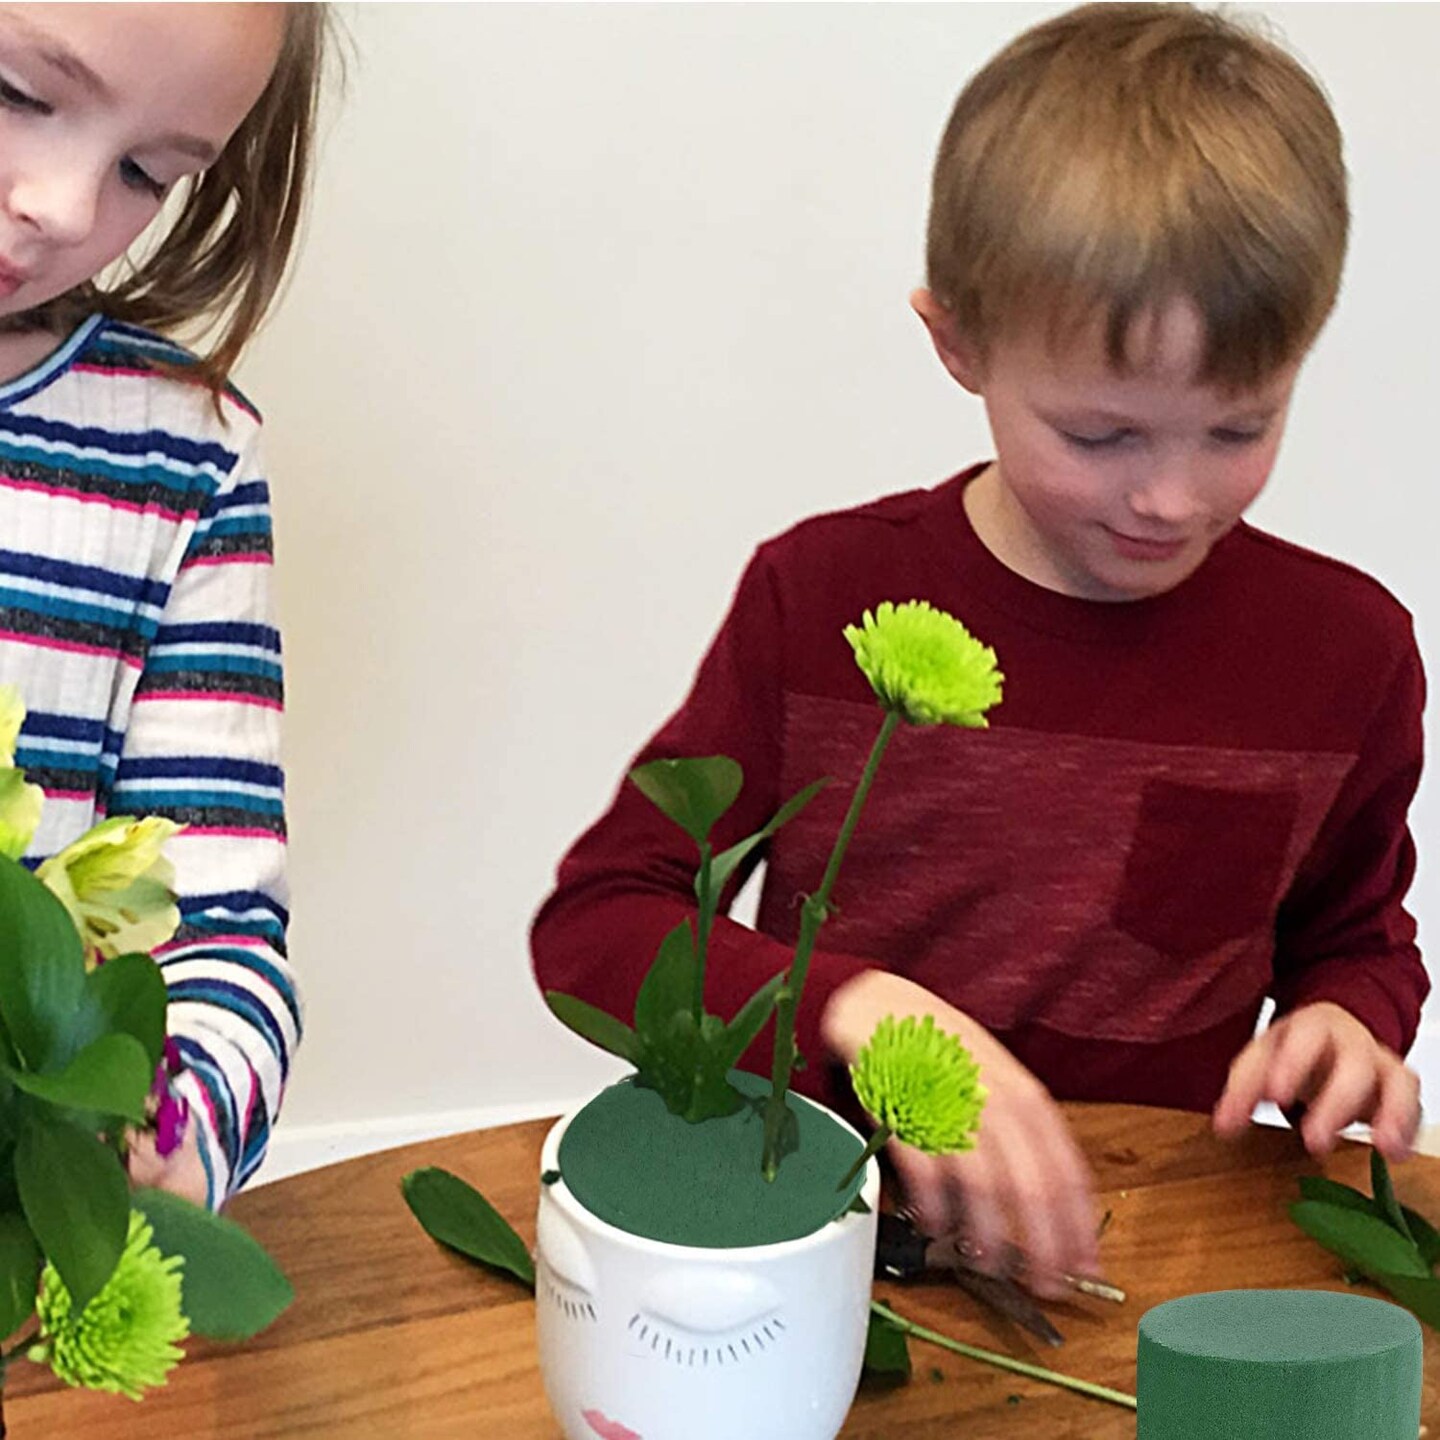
(80, 1046)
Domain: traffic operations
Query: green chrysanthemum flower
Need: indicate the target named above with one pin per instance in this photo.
(926, 665)
(921, 1084)
(125, 1340)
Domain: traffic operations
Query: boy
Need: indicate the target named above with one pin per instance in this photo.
(1195, 791)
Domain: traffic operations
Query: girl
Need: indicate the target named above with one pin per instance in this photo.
(135, 607)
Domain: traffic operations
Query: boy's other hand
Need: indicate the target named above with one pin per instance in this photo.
(181, 1173)
(1322, 1055)
(1026, 1181)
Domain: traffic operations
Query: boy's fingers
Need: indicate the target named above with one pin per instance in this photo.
(1244, 1087)
(1395, 1125)
(1347, 1094)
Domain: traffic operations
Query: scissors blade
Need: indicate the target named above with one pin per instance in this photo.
(1001, 1292)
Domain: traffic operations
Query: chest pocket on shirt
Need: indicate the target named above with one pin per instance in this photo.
(1205, 865)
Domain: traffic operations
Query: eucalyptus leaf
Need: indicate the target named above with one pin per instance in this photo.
(20, 1262)
(1332, 1192)
(887, 1350)
(726, 863)
(458, 1215)
(1426, 1236)
(595, 1025)
(75, 1195)
(750, 1020)
(111, 1076)
(43, 977)
(1386, 1205)
(1363, 1241)
(668, 987)
(1417, 1295)
(694, 792)
(231, 1288)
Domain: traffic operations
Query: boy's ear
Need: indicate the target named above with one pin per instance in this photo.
(957, 354)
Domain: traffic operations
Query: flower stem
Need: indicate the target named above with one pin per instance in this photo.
(872, 1147)
(1004, 1362)
(812, 917)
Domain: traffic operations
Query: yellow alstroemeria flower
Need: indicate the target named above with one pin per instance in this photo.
(117, 886)
(20, 802)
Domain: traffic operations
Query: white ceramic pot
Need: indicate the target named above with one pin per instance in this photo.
(644, 1340)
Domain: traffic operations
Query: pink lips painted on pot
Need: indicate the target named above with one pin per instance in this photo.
(607, 1429)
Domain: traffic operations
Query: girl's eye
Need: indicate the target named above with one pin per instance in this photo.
(17, 99)
(1237, 437)
(138, 179)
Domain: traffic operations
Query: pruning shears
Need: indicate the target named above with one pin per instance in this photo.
(903, 1252)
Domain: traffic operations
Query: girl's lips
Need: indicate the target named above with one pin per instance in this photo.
(10, 279)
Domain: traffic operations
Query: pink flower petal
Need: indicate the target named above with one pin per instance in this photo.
(607, 1429)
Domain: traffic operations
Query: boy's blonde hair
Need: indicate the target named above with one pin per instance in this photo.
(225, 253)
(1123, 156)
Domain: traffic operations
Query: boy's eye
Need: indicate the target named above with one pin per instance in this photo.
(1237, 437)
(1095, 442)
(138, 179)
(17, 99)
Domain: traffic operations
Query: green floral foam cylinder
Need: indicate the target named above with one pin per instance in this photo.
(1279, 1365)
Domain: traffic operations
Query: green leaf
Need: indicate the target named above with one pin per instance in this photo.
(668, 987)
(20, 1261)
(232, 1288)
(1362, 1240)
(694, 793)
(458, 1215)
(43, 976)
(596, 1026)
(111, 1076)
(750, 1020)
(75, 1196)
(1386, 1205)
(127, 995)
(1427, 1237)
(1417, 1295)
(887, 1352)
(726, 863)
(1332, 1192)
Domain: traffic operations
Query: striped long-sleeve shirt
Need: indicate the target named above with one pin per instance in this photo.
(136, 622)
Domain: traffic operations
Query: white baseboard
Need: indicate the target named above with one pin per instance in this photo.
(305, 1147)
(297, 1148)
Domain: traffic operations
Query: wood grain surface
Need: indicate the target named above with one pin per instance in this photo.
(392, 1338)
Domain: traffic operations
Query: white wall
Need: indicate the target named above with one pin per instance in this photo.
(596, 297)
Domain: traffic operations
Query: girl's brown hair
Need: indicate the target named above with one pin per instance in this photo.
(224, 256)
(1123, 156)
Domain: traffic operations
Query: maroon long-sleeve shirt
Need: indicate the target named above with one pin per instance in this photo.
(1183, 804)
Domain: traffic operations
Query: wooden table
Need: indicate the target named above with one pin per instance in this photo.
(392, 1338)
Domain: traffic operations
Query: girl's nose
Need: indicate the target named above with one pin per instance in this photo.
(60, 202)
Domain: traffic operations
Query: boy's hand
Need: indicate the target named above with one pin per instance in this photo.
(1026, 1179)
(181, 1173)
(1324, 1056)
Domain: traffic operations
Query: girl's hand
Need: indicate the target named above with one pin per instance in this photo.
(181, 1173)
(1322, 1055)
(1026, 1177)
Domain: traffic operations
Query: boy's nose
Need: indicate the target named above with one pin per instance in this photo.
(1168, 495)
(61, 203)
